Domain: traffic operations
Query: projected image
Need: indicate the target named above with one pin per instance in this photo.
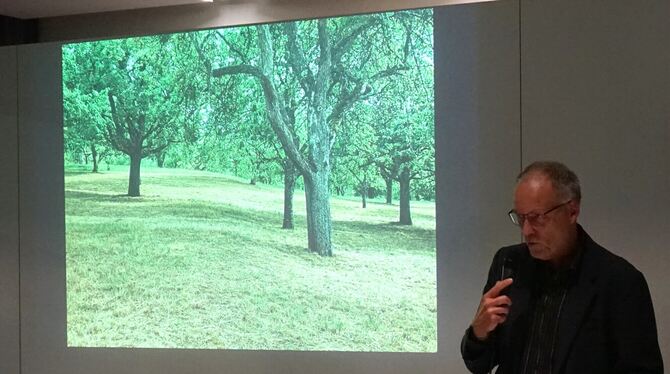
(267, 187)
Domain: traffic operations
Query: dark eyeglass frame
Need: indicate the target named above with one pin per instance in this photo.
(534, 219)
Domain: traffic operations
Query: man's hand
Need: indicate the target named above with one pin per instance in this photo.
(492, 310)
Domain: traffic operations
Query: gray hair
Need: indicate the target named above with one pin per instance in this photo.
(564, 180)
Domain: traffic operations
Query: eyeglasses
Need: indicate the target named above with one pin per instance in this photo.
(534, 219)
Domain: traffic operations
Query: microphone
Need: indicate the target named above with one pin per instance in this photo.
(508, 267)
(507, 271)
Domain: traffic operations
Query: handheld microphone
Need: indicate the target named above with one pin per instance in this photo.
(507, 271)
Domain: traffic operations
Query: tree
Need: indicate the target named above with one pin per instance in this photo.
(315, 83)
(354, 153)
(405, 150)
(236, 135)
(84, 107)
(144, 94)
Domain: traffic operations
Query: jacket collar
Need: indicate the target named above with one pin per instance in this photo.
(580, 296)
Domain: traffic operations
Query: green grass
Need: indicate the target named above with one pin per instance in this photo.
(200, 261)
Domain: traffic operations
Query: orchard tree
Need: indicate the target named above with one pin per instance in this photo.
(145, 94)
(406, 145)
(315, 82)
(85, 108)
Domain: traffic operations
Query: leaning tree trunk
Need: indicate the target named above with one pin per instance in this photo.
(405, 215)
(290, 177)
(134, 179)
(319, 226)
(315, 168)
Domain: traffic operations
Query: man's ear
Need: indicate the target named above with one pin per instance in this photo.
(573, 209)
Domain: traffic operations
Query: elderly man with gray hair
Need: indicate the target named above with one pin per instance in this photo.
(559, 302)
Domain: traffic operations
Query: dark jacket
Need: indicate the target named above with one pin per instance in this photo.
(606, 324)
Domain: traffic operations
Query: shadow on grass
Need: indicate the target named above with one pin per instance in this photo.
(107, 198)
(197, 181)
(381, 228)
(250, 223)
(157, 207)
(202, 209)
(72, 173)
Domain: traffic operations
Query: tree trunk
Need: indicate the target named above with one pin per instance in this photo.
(134, 179)
(315, 168)
(319, 226)
(289, 189)
(405, 215)
(364, 192)
(389, 190)
(94, 155)
(160, 159)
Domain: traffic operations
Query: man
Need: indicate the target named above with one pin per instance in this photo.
(559, 302)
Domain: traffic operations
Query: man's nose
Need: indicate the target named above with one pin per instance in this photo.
(526, 228)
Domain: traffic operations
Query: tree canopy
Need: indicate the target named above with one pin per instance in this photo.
(333, 106)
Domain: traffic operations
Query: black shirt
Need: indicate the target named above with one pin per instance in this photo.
(548, 300)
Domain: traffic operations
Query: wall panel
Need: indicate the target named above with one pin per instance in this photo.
(477, 93)
(41, 203)
(9, 214)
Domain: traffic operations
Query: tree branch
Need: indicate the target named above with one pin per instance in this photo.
(296, 58)
(274, 112)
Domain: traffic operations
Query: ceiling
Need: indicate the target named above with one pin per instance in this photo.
(29, 9)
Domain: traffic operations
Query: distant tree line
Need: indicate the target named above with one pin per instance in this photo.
(336, 106)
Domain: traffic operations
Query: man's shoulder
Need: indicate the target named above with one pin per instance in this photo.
(606, 262)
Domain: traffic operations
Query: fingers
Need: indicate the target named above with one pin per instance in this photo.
(493, 309)
(496, 320)
(498, 313)
(498, 287)
(488, 318)
(500, 301)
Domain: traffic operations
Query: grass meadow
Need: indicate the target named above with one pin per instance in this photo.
(200, 261)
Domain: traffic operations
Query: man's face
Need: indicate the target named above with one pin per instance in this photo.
(552, 238)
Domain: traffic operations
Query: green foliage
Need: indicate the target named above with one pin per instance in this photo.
(379, 102)
(85, 107)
